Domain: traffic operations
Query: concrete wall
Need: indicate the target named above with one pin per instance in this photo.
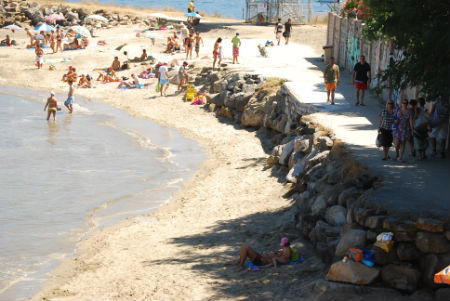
(345, 35)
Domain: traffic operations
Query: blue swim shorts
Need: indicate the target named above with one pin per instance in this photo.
(164, 81)
(69, 101)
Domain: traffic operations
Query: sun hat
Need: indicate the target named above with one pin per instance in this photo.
(284, 241)
(52, 93)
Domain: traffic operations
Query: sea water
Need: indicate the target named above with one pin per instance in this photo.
(224, 8)
(60, 181)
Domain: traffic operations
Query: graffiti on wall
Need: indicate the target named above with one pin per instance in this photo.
(353, 51)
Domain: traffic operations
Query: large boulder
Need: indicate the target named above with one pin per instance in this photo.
(352, 272)
(428, 242)
(287, 151)
(253, 114)
(429, 224)
(349, 193)
(407, 252)
(404, 231)
(324, 143)
(400, 277)
(351, 239)
(336, 215)
(220, 86)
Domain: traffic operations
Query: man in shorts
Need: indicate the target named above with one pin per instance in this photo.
(360, 79)
(236, 44)
(182, 75)
(278, 31)
(163, 78)
(69, 102)
(331, 77)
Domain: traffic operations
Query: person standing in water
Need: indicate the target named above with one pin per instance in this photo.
(69, 102)
(52, 105)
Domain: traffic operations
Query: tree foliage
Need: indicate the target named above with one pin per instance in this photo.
(421, 28)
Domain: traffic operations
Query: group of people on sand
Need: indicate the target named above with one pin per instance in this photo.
(52, 103)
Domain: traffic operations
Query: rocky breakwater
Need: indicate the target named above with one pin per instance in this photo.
(33, 13)
(330, 190)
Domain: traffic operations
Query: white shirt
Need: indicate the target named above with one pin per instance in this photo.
(163, 72)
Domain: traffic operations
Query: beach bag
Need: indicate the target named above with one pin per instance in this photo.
(385, 241)
(378, 140)
(355, 254)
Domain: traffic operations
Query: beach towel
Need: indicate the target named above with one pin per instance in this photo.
(253, 267)
(59, 60)
(145, 86)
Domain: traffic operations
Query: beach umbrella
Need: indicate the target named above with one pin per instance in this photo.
(97, 18)
(159, 16)
(151, 35)
(44, 27)
(54, 18)
(38, 37)
(82, 31)
(13, 27)
(193, 15)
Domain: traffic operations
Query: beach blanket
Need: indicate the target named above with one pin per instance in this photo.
(253, 267)
(59, 60)
(145, 86)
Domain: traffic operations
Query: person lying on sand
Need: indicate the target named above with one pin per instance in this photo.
(284, 256)
(133, 84)
(141, 58)
(108, 77)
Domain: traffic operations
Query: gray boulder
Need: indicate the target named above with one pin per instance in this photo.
(287, 151)
(324, 143)
(400, 277)
(253, 114)
(428, 242)
(352, 272)
(351, 239)
(407, 252)
(349, 193)
(336, 215)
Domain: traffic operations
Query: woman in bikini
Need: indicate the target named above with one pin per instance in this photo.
(189, 42)
(217, 52)
(52, 105)
(58, 40)
(52, 42)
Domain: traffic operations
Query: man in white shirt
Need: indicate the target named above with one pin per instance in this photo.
(163, 78)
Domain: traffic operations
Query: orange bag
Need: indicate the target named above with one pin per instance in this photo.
(355, 254)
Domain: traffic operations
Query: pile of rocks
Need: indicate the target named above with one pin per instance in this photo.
(331, 191)
(32, 13)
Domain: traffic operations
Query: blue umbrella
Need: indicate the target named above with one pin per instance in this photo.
(193, 15)
(44, 27)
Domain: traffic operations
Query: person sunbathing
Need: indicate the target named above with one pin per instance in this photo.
(133, 84)
(115, 64)
(82, 80)
(75, 44)
(141, 58)
(108, 77)
(6, 41)
(284, 256)
(86, 83)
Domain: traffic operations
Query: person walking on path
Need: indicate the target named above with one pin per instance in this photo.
(198, 39)
(404, 121)
(331, 77)
(52, 105)
(163, 78)
(217, 52)
(439, 113)
(287, 30)
(236, 44)
(385, 128)
(278, 31)
(39, 56)
(360, 78)
(69, 102)
(420, 130)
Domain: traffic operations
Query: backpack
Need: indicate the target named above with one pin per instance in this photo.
(441, 113)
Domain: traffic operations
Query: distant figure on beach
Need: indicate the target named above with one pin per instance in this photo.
(403, 119)
(52, 105)
(59, 38)
(53, 41)
(70, 75)
(287, 31)
(198, 39)
(163, 78)
(331, 77)
(115, 65)
(30, 36)
(191, 7)
(189, 45)
(217, 52)
(360, 78)
(132, 84)
(182, 75)
(385, 128)
(278, 31)
(39, 56)
(6, 41)
(236, 44)
(141, 58)
(284, 256)
(69, 102)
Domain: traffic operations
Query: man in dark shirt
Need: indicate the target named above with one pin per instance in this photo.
(360, 78)
(287, 30)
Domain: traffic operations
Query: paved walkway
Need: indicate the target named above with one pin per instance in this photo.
(419, 187)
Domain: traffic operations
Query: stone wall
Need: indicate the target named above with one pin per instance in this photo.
(330, 190)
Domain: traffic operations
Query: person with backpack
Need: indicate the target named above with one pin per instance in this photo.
(278, 31)
(439, 113)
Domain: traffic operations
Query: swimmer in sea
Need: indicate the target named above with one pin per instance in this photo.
(52, 106)
(69, 102)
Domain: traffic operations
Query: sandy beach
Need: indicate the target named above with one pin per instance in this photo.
(185, 249)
